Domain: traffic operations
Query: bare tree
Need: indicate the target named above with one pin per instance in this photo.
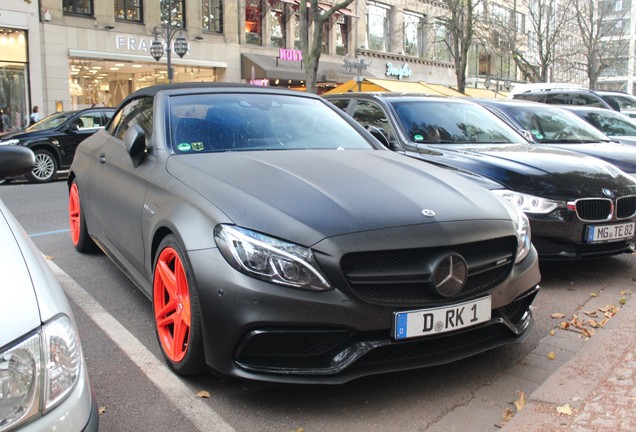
(459, 25)
(605, 40)
(312, 47)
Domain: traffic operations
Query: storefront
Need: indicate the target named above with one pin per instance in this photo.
(14, 94)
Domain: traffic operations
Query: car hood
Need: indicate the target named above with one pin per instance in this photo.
(313, 194)
(619, 154)
(21, 313)
(547, 172)
(21, 135)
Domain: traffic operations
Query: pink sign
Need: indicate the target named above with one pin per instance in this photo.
(290, 54)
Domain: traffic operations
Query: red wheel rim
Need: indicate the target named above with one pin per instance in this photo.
(74, 213)
(172, 304)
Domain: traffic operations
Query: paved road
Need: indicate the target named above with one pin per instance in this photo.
(137, 392)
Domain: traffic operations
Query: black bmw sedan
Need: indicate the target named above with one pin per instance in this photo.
(554, 126)
(279, 241)
(579, 206)
(55, 138)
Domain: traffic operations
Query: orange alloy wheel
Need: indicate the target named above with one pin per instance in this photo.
(172, 304)
(74, 213)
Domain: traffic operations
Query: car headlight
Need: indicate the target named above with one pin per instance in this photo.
(522, 228)
(528, 203)
(10, 142)
(39, 372)
(270, 259)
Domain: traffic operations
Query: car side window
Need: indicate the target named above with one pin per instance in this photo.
(368, 113)
(589, 100)
(136, 112)
(340, 103)
(558, 99)
(91, 120)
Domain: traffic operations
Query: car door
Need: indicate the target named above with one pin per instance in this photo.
(370, 113)
(77, 129)
(118, 214)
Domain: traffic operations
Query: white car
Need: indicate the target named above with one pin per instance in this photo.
(44, 384)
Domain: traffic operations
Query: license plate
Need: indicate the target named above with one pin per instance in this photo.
(424, 322)
(608, 233)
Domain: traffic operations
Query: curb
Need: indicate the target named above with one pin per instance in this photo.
(575, 382)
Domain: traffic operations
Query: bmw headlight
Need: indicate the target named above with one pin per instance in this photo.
(10, 142)
(39, 372)
(528, 203)
(270, 259)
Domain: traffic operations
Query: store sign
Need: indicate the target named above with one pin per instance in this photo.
(290, 54)
(399, 72)
(355, 64)
(260, 82)
(132, 43)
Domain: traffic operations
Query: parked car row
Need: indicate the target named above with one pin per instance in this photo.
(578, 206)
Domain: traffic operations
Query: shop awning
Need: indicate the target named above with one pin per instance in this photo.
(382, 85)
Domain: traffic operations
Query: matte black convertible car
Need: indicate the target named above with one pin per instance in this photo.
(279, 241)
(578, 206)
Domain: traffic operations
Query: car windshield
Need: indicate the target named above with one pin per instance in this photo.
(611, 122)
(443, 122)
(555, 125)
(242, 122)
(50, 122)
(624, 102)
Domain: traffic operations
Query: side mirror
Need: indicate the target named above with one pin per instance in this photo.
(379, 134)
(72, 127)
(135, 144)
(16, 160)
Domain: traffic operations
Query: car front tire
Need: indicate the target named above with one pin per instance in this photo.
(45, 167)
(79, 233)
(176, 309)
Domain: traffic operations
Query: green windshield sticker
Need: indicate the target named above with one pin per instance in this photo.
(197, 146)
(418, 137)
(537, 134)
(184, 147)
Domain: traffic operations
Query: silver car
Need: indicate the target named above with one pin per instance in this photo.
(44, 385)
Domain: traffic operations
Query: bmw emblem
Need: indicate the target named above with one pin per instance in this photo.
(428, 213)
(450, 273)
(608, 193)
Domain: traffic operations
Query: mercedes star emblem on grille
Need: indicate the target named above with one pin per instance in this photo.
(428, 213)
(449, 274)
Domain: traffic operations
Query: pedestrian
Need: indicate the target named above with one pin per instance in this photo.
(6, 120)
(35, 115)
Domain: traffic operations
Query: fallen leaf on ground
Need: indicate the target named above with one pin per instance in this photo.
(521, 402)
(558, 315)
(622, 301)
(552, 332)
(508, 415)
(564, 409)
(203, 394)
(592, 314)
(102, 410)
(551, 355)
(593, 294)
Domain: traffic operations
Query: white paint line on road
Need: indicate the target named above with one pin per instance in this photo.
(200, 414)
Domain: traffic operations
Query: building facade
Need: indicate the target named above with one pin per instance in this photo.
(71, 54)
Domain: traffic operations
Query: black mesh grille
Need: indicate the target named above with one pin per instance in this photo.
(400, 277)
(594, 209)
(626, 207)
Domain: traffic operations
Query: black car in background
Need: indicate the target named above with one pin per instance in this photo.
(560, 96)
(578, 206)
(555, 126)
(616, 125)
(279, 241)
(626, 102)
(55, 138)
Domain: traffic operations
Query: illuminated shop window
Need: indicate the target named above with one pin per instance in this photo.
(253, 24)
(176, 16)
(212, 15)
(129, 10)
(80, 7)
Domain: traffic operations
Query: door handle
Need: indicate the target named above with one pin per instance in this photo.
(102, 158)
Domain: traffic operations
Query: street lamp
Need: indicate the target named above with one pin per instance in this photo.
(168, 33)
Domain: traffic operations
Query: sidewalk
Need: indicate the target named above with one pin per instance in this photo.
(595, 390)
